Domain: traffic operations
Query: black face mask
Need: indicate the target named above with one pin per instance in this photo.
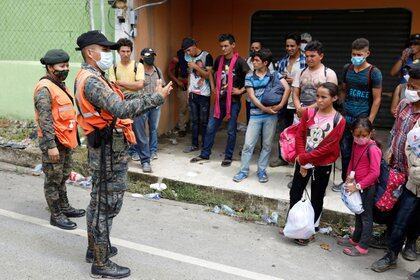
(61, 74)
(149, 60)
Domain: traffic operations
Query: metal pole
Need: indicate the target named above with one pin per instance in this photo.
(101, 3)
(92, 21)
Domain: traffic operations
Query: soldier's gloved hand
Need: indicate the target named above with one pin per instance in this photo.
(54, 155)
(163, 91)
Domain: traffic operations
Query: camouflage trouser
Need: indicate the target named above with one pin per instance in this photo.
(103, 208)
(56, 174)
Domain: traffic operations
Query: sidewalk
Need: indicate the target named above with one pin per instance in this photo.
(175, 165)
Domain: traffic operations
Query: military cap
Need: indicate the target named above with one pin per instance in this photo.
(55, 56)
(147, 52)
(94, 37)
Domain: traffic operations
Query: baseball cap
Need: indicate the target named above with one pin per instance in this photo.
(147, 52)
(94, 37)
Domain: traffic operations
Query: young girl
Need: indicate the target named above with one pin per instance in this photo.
(365, 163)
(317, 148)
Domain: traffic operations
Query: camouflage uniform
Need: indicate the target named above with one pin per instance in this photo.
(56, 173)
(102, 97)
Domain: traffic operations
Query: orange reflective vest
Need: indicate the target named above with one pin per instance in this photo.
(63, 113)
(89, 118)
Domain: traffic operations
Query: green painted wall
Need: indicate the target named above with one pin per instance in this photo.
(28, 28)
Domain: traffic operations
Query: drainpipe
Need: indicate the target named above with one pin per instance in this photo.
(92, 20)
(101, 4)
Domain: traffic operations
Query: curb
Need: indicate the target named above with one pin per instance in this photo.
(30, 157)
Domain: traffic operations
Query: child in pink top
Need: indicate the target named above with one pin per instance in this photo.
(366, 163)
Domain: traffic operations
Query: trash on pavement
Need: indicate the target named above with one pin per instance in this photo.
(173, 141)
(136, 195)
(272, 219)
(158, 186)
(216, 209)
(79, 180)
(325, 230)
(37, 171)
(155, 196)
(228, 211)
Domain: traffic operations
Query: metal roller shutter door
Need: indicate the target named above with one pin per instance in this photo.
(386, 29)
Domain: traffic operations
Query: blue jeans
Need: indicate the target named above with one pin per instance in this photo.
(214, 125)
(346, 146)
(256, 127)
(406, 207)
(199, 115)
(146, 145)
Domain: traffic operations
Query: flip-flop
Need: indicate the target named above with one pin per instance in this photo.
(346, 241)
(304, 242)
(353, 252)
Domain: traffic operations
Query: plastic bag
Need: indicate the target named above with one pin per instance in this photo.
(300, 221)
(353, 201)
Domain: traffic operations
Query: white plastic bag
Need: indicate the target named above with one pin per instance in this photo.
(352, 201)
(300, 221)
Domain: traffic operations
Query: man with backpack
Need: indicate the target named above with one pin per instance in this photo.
(306, 81)
(147, 144)
(361, 95)
(178, 72)
(408, 115)
(128, 74)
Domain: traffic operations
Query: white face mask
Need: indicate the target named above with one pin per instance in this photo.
(412, 96)
(106, 61)
(303, 46)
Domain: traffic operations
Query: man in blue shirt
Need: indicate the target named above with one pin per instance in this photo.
(362, 88)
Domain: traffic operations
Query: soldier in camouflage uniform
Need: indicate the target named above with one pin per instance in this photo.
(55, 145)
(100, 103)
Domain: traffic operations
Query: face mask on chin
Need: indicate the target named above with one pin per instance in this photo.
(106, 61)
(412, 96)
(150, 60)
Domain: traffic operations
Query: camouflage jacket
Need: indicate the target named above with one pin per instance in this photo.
(104, 98)
(42, 102)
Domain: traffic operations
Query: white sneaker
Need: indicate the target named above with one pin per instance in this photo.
(154, 156)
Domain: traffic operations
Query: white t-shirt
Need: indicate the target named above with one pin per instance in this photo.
(309, 80)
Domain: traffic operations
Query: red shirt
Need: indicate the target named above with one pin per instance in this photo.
(327, 151)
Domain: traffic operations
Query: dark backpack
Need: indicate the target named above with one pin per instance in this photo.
(273, 92)
(350, 66)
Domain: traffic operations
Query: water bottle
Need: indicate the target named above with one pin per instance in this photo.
(397, 192)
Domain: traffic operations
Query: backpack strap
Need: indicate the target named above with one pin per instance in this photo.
(346, 71)
(306, 67)
(158, 72)
(135, 68)
(325, 72)
(337, 118)
(115, 70)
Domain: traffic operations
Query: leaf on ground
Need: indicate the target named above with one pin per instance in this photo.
(325, 246)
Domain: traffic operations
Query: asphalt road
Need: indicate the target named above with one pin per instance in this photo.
(163, 240)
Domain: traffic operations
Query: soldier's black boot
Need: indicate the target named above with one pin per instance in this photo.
(68, 210)
(103, 267)
(409, 252)
(58, 219)
(389, 261)
(89, 252)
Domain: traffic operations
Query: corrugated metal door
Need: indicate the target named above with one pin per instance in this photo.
(386, 29)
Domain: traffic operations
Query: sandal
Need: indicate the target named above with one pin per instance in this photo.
(226, 162)
(346, 241)
(198, 159)
(355, 251)
(304, 242)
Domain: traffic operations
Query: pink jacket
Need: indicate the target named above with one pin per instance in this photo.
(366, 163)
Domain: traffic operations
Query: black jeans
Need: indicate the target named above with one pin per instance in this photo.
(319, 183)
(199, 110)
(346, 146)
(364, 221)
(406, 208)
(285, 117)
(413, 228)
